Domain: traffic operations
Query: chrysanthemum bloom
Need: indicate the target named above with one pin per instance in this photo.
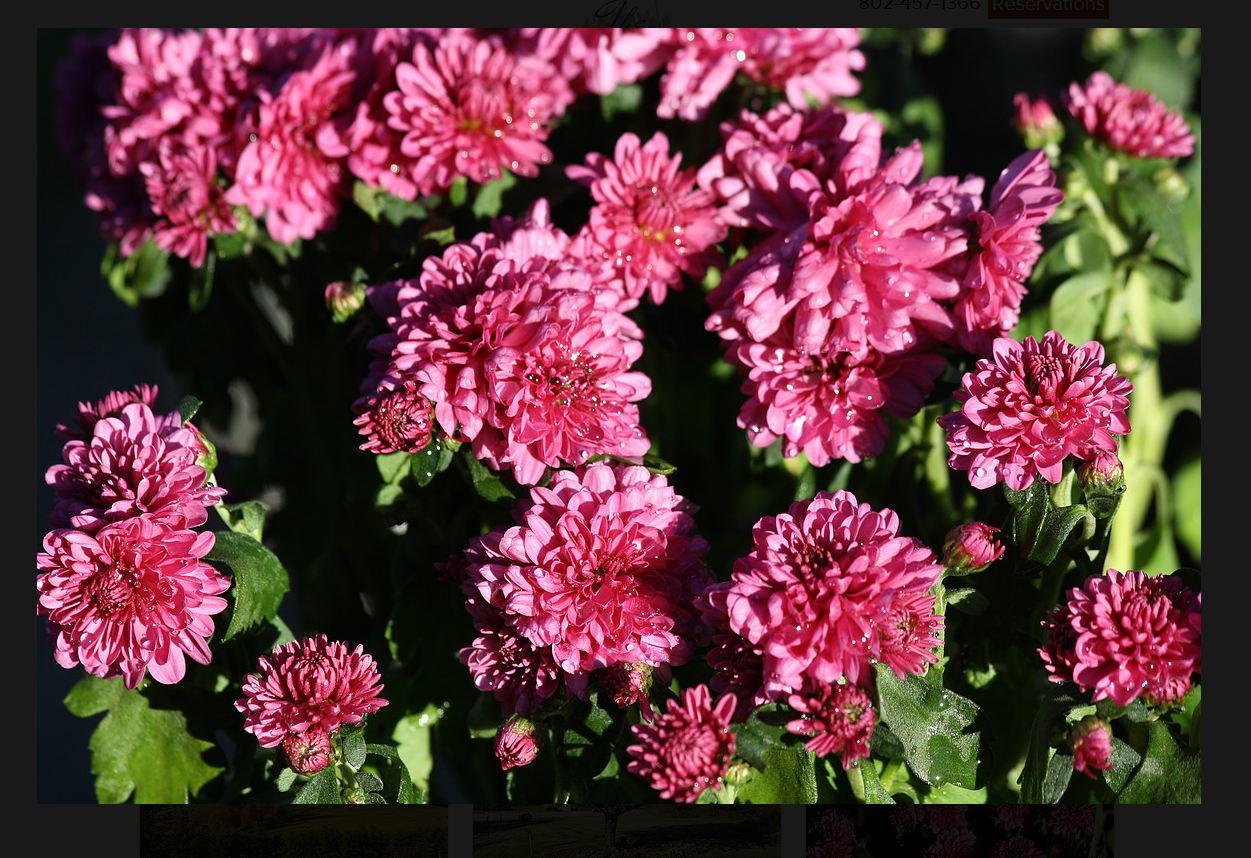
(515, 743)
(1121, 635)
(134, 598)
(651, 222)
(952, 843)
(737, 664)
(308, 752)
(971, 547)
(310, 684)
(1031, 406)
(189, 203)
(293, 173)
(1091, 740)
(1008, 245)
(818, 590)
(626, 683)
(396, 419)
(596, 59)
(1131, 120)
(830, 403)
(1035, 121)
(111, 405)
(133, 463)
(468, 107)
(1017, 846)
(601, 568)
(840, 719)
(507, 665)
(910, 632)
(688, 748)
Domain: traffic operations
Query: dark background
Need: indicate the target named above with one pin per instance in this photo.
(90, 342)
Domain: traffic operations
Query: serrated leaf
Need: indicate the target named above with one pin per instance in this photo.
(931, 723)
(259, 581)
(246, 517)
(321, 788)
(139, 750)
(788, 777)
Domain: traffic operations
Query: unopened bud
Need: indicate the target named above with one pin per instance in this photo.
(1091, 740)
(308, 752)
(970, 548)
(344, 299)
(1036, 122)
(1102, 482)
(515, 743)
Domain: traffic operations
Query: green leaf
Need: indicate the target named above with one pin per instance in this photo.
(1038, 754)
(433, 459)
(354, 748)
(952, 794)
(788, 777)
(321, 788)
(246, 517)
(1124, 762)
(657, 465)
(1168, 774)
(1157, 215)
(760, 733)
(260, 581)
(487, 202)
(368, 781)
(1078, 303)
(874, 792)
(1056, 778)
(459, 192)
(1059, 526)
(393, 467)
(188, 408)
(396, 780)
(143, 274)
(1029, 508)
(139, 750)
(626, 98)
(486, 484)
(967, 600)
(381, 206)
(412, 737)
(285, 779)
(931, 723)
(200, 290)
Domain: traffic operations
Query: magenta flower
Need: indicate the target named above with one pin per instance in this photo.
(687, 749)
(308, 752)
(738, 665)
(1091, 739)
(91, 413)
(840, 719)
(627, 683)
(313, 684)
(971, 547)
(651, 223)
(1121, 635)
(133, 463)
(910, 632)
(1031, 406)
(293, 173)
(469, 107)
(189, 203)
(818, 591)
(134, 598)
(1009, 244)
(396, 419)
(504, 663)
(516, 744)
(596, 59)
(1131, 120)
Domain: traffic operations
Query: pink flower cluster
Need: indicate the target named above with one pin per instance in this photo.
(1125, 635)
(1030, 407)
(173, 129)
(687, 749)
(863, 271)
(304, 691)
(122, 578)
(601, 569)
(829, 588)
(1131, 120)
(507, 342)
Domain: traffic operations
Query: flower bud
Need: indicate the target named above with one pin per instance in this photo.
(308, 752)
(208, 450)
(626, 683)
(970, 548)
(515, 743)
(1171, 185)
(344, 299)
(1036, 122)
(1092, 746)
(1102, 481)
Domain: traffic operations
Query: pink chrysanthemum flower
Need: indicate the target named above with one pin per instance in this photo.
(651, 222)
(596, 59)
(1091, 740)
(136, 597)
(313, 684)
(396, 419)
(840, 719)
(1131, 120)
(1121, 635)
(627, 683)
(468, 107)
(133, 463)
(507, 665)
(1031, 406)
(830, 403)
(189, 203)
(601, 568)
(821, 587)
(910, 633)
(91, 413)
(687, 749)
(738, 665)
(1009, 244)
(293, 173)
(308, 752)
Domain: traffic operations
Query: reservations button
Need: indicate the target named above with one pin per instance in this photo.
(1048, 9)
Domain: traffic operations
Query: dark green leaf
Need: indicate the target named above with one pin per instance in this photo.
(143, 274)
(137, 749)
(1060, 526)
(1124, 761)
(1048, 719)
(354, 748)
(968, 601)
(1056, 780)
(1157, 215)
(368, 781)
(931, 723)
(760, 733)
(486, 484)
(874, 792)
(1029, 508)
(259, 580)
(788, 777)
(433, 459)
(201, 287)
(396, 780)
(188, 408)
(321, 788)
(1168, 773)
